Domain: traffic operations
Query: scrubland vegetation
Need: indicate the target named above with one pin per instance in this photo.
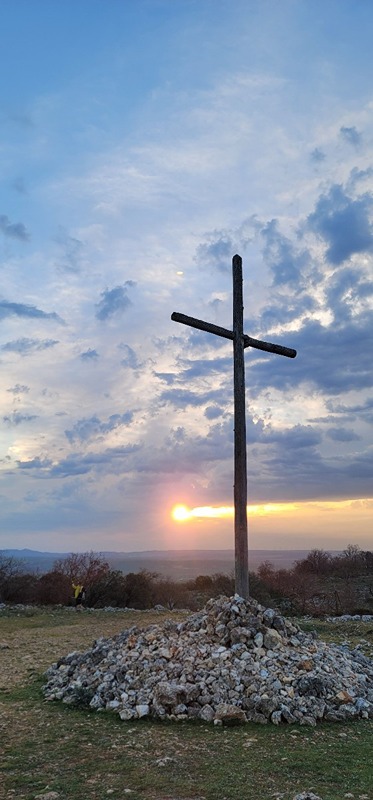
(319, 585)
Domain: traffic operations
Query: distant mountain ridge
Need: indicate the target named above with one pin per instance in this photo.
(176, 564)
(129, 554)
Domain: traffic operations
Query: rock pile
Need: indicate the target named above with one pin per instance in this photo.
(351, 618)
(233, 661)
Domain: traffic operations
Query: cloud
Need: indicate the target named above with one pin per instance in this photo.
(80, 465)
(300, 436)
(168, 377)
(35, 463)
(213, 412)
(25, 346)
(89, 355)
(361, 468)
(195, 160)
(19, 389)
(8, 309)
(359, 176)
(206, 455)
(217, 253)
(190, 369)
(294, 464)
(344, 290)
(317, 155)
(342, 435)
(16, 418)
(305, 474)
(354, 408)
(113, 459)
(191, 454)
(327, 358)
(176, 436)
(181, 398)
(221, 245)
(14, 230)
(198, 339)
(72, 251)
(286, 264)
(89, 427)
(343, 223)
(351, 135)
(114, 301)
(362, 410)
(284, 310)
(130, 358)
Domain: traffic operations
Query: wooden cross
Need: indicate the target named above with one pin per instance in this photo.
(240, 341)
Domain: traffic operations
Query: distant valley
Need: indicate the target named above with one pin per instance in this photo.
(175, 564)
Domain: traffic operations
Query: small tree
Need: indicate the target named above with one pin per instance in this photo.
(108, 590)
(351, 562)
(54, 588)
(85, 568)
(318, 562)
(169, 593)
(10, 568)
(139, 589)
(23, 588)
(368, 561)
(266, 572)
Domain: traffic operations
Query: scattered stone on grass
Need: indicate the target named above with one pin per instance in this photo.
(307, 796)
(233, 661)
(163, 762)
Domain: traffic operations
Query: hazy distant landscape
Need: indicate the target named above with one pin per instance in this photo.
(176, 564)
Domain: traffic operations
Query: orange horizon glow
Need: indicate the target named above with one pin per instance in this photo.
(182, 513)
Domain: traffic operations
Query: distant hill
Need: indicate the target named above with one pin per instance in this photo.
(176, 564)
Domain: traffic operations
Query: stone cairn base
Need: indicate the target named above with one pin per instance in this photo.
(234, 661)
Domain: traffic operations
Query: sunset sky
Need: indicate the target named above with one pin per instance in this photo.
(143, 144)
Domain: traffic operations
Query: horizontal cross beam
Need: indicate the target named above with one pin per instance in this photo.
(248, 341)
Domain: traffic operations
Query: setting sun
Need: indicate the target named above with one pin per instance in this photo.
(180, 513)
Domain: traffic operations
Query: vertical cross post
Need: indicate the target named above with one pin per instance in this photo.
(240, 342)
(240, 465)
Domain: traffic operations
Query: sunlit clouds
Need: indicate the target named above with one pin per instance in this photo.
(133, 172)
(181, 513)
(285, 526)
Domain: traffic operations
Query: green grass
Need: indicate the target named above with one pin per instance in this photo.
(70, 748)
(350, 633)
(84, 755)
(33, 618)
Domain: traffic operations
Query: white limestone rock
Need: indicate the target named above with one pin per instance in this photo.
(233, 654)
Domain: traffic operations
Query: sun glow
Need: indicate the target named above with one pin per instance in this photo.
(181, 513)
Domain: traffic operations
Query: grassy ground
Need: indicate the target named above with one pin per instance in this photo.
(89, 756)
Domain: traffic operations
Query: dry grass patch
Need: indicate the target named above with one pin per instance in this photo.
(32, 641)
